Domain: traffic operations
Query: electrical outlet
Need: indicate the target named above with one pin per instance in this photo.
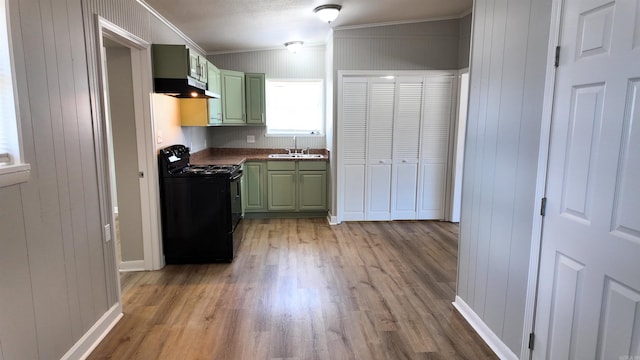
(251, 139)
(160, 139)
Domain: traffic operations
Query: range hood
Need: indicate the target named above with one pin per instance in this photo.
(183, 88)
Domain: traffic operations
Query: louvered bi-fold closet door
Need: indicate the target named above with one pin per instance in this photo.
(353, 134)
(406, 148)
(379, 149)
(438, 105)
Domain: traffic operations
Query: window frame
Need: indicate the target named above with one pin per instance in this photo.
(322, 129)
(15, 171)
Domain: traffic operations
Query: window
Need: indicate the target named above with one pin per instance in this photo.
(295, 106)
(12, 171)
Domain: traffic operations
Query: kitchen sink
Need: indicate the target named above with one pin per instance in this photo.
(296, 156)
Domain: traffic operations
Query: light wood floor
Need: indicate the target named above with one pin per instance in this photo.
(301, 289)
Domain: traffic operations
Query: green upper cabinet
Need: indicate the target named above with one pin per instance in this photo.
(171, 61)
(255, 98)
(197, 66)
(233, 97)
(214, 86)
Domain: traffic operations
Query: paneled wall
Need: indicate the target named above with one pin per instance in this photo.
(464, 43)
(57, 276)
(309, 63)
(430, 45)
(508, 63)
(54, 268)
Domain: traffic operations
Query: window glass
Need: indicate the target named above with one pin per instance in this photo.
(8, 129)
(294, 106)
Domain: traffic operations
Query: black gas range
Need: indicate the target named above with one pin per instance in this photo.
(201, 208)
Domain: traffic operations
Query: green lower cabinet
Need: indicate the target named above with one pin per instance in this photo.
(254, 192)
(281, 190)
(285, 188)
(312, 194)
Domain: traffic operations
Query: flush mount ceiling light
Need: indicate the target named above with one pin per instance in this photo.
(328, 12)
(294, 46)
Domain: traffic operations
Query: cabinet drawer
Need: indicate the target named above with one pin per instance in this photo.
(312, 165)
(281, 165)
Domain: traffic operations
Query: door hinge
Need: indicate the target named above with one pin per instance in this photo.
(532, 338)
(557, 59)
(543, 206)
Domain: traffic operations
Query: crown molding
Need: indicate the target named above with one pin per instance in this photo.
(192, 44)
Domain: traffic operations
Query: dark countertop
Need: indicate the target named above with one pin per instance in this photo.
(237, 156)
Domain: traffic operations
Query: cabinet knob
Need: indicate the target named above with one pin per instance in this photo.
(381, 161)
(404, 161)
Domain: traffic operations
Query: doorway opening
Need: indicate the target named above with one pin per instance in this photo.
(130, 152)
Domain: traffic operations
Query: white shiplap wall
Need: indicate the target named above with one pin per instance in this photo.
(508, 63)
(309, 63)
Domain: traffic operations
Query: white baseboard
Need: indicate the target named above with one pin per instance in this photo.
(332, 219)
(88, 342)
(483, 330)
(136, 265)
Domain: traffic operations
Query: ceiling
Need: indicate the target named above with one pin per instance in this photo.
(220, 26)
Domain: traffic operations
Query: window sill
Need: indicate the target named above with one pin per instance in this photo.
(14, 174)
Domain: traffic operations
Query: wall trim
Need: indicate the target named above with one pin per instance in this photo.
(135, 265)
(155, 13)
(90, 340)
(404, 22)
(531, 316)
(484, 331)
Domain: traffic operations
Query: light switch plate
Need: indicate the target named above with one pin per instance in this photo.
(107, 233)
(251, 139)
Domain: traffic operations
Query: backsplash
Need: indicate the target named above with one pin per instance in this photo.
(236, 137)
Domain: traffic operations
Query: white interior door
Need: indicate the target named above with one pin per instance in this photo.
(589, 283)
(379, 149)
(406, 148)
(353, 136)
(438, 113)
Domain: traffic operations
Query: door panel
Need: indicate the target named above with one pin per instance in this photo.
(378, 192)
(589, 287)
(405, 191)
(354, 177)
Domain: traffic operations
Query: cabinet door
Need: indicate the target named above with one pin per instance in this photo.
(312, 190)
(255, 99)
(194, 65)
(213, 78)
(233, 100)
(213, 85)
(203, 70)
(254, 181)
(281, 190)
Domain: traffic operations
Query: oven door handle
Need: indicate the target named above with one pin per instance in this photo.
(238, 176)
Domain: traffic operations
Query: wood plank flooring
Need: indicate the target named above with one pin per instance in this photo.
(301, 289)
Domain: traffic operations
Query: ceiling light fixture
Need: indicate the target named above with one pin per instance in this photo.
(328, 13)
(293, 46)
